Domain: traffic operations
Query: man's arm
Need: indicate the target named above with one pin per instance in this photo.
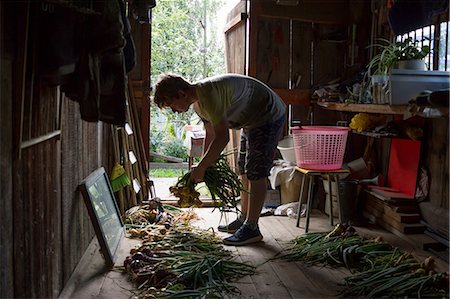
(214, 147)
(209, 129)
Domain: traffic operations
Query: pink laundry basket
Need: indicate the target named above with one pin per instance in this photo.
(320, 147)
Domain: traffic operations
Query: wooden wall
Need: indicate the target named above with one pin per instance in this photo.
(46, 150)
(235, 34)
(318, 11)
(6, 177)
(37, 222)
(235, 49)
(273, 52)
(437, 158)
(330, 52)
(235, 39)
(140, 80)
(84, 148)
(302, 33)
(294, 49)
(51, 225)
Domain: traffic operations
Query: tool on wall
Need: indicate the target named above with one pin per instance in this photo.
(138, 141)
(119, 194)
(130, 161)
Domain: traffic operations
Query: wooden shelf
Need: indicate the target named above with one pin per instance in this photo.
(375, 135)
(367, 108)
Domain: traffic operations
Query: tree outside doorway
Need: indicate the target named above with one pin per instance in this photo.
(187, 39)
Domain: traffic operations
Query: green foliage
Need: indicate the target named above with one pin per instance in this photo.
(175, 122)
(392, 52)
(174, 147)
(166, 173)
(167, 144)
(179, 29)
(408, 50)
(171, 129)
(156, 139)
(183, 41)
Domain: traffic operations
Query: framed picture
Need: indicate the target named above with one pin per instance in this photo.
(104, 213)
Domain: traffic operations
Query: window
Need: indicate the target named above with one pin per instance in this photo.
(436, 36)
(444, 44)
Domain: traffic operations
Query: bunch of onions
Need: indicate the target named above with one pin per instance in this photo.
(222, 182)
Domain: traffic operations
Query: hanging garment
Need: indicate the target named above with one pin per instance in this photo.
(57, 52)
(99, 84)
(129, 51)
(112, 100)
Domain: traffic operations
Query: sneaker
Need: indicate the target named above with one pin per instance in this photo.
(244, 235)
(230, 228)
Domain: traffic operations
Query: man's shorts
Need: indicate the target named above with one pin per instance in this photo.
(257, 149)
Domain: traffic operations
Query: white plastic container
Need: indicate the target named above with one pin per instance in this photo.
(286, 148)
(405, 85)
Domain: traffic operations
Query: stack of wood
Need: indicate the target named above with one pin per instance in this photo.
(395, 211)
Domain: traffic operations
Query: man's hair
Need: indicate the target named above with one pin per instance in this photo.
(167, 88)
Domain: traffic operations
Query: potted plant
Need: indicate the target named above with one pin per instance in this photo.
(398, 54)
(405, 54)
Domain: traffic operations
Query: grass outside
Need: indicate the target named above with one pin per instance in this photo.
(176, 173)
(166, 173)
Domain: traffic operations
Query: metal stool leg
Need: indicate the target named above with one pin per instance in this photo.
(330, 193)
(310, 199)
(152, 189)
(336, 177)
(300, 200)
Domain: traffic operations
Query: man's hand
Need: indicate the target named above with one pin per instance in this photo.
(197, 173)
(219, 140)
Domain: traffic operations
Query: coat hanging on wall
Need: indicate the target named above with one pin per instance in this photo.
(57, 52)
(107, 53)
(129, 50)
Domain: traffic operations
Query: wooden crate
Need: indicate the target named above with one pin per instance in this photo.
(402, 216)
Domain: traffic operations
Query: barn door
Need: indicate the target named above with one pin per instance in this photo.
(235, 53)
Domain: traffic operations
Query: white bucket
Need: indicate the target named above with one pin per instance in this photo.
(286, 148)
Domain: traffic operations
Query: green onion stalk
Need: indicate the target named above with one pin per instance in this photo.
(379, 269)
(222, 182)
(185, 262)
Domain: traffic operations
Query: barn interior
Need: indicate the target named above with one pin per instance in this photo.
(76, 90)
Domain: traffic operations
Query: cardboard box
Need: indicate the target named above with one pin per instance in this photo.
(290, 189)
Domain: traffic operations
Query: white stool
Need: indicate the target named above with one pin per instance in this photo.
(195, 145)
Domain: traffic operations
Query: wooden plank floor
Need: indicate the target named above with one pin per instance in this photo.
(275, 278)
